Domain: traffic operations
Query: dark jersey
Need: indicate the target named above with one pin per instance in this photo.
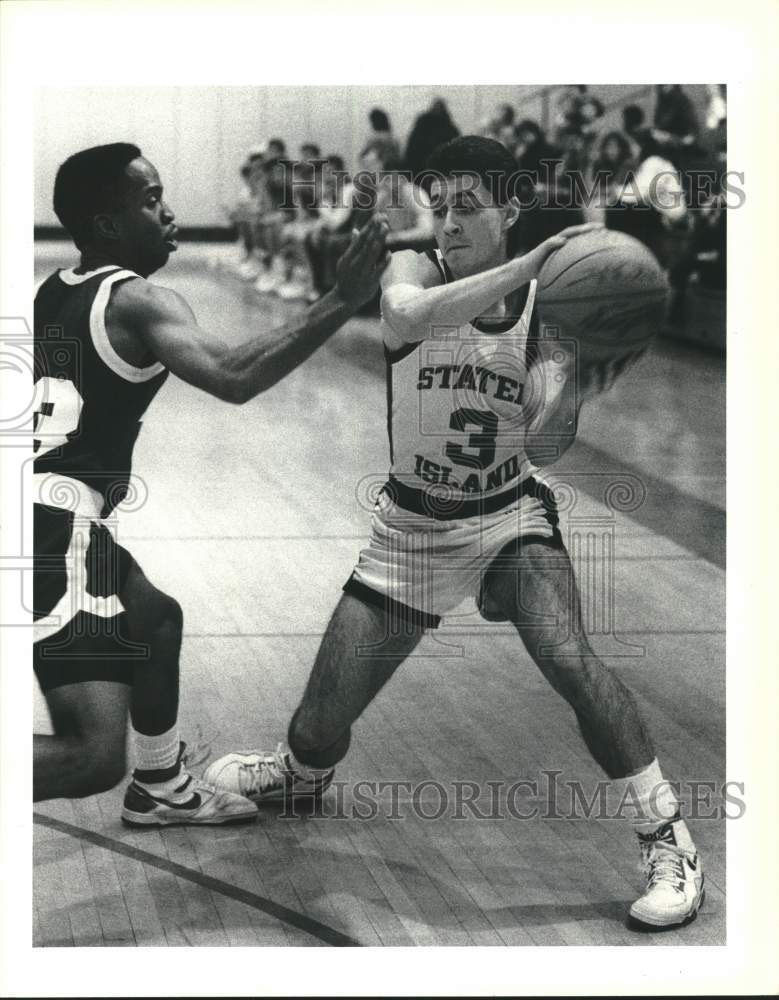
(89, 401)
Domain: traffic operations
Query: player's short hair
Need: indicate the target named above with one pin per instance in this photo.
(476, 155)
(89, 182)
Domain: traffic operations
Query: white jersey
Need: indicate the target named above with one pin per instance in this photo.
(458, 405)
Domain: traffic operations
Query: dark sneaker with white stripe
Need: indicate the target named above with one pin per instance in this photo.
(184, 799)
(674, 891)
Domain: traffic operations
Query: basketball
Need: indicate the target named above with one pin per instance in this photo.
(606, 290)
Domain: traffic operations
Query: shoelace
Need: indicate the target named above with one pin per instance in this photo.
(665, 864)
(267, 772)
(200, 752)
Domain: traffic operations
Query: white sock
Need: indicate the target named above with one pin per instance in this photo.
(650, 795)
(155, 753)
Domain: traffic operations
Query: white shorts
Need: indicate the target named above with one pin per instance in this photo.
(421, 567)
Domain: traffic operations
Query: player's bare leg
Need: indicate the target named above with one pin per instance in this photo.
(154, 620)
(86, 754)
(540, 597)
(538, 593)
(163, 791)
(360, 651)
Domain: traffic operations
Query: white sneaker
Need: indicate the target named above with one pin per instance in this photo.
(190, 800)
(266, 776)
(183, 799)
(674, 877)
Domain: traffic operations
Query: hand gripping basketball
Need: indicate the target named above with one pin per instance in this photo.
(606, 293)
(536, 259)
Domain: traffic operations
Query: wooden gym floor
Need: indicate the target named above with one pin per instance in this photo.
(253, 521)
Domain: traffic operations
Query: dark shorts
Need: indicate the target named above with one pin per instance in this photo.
(81, 627)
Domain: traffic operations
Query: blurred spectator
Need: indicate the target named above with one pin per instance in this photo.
(304, 179)
(544, 191)
(277, 207)
(578, 122)
(613, 164)
(531, 148)
(716, 109)
(381, 136)
(675, 126)
(306, 192)
(637, 132)
(652, 207)
(251, 206)
(715, 137)
(241, 214)
(503, 117)
(704, 261)
(432, 129)
(330, 234)
(709, 244)
(383, 187)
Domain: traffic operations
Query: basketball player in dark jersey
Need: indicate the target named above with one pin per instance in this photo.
(106, 640)
(463, 515)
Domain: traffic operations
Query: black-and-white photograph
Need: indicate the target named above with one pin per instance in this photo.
(380, 456)
(373, 516)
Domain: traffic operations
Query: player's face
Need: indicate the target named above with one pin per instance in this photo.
(470, 229)
(145, 223)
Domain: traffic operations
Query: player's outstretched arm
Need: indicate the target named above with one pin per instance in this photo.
(413, 301)
(410, 306)
(237, 373)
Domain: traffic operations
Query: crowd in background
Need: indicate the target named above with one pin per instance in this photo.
(297, 210)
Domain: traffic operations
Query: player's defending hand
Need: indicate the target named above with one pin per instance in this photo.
(361, 266)
(536, 258)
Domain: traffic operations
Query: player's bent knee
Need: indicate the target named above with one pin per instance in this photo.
(105, 774)
(159, 614)
(315, 744)
(171, 613)
(101, 765)
(149, 609)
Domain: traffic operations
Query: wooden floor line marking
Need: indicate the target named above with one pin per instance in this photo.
(307, 924)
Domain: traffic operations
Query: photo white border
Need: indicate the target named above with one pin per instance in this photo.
(119, 43)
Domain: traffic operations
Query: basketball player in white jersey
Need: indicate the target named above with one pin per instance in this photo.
(471, 400)
(107, 641)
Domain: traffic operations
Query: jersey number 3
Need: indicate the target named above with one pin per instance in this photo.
(58, 406)
(483, 441)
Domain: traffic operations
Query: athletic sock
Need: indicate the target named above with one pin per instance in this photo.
(157, 757)
(652, 796)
